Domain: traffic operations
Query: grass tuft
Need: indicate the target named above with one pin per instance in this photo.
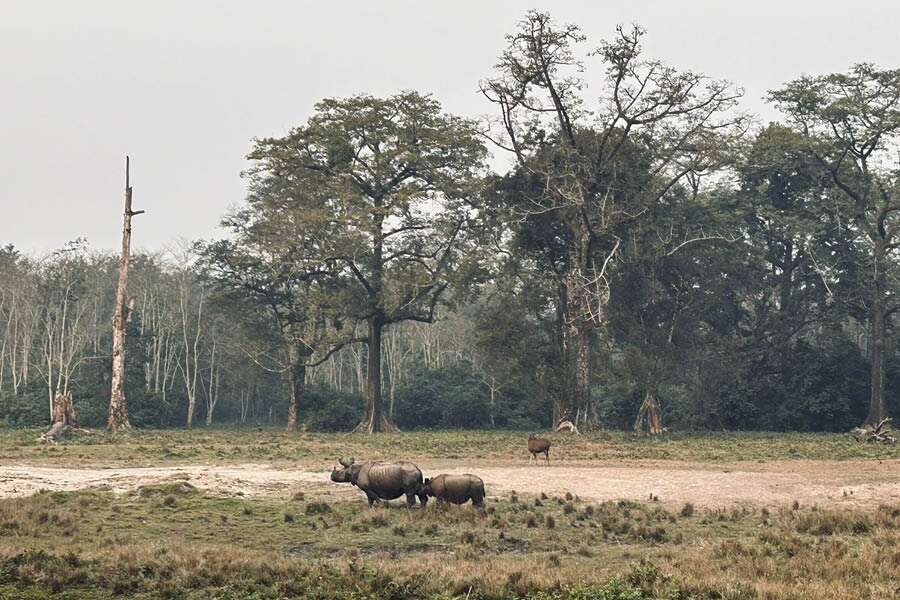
(317, 508)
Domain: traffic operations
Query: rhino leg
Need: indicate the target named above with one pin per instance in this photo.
(371, 498)
(410, 500)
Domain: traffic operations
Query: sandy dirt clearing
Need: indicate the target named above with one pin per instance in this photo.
(858, 484)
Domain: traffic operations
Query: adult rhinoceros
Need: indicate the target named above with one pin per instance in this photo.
(382, 480)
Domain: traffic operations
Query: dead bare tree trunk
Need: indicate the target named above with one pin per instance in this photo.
(118, 408)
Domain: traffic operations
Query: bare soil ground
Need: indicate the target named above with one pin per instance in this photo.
(850, 484)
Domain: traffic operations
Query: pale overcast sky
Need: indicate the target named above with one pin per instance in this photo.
(183, 86)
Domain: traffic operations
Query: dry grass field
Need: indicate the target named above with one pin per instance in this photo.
(251, 514)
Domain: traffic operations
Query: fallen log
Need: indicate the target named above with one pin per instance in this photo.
(60, 431)
(56, 432)
(879, 433)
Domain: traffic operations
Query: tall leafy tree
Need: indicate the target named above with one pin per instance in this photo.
(529, 270)
(785, 203)
(801, 254)
(678, 121)
(851, 124)
(390, 177)
(271, 275)
(668, 290)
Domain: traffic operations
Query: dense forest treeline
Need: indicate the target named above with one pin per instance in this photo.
(653, 257)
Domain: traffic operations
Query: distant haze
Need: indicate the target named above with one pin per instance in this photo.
(183, 87)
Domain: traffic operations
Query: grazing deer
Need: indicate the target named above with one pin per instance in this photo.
(537, 445)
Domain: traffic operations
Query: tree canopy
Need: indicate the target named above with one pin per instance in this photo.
(652, 259)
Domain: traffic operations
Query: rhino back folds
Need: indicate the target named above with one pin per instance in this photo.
(390, 480)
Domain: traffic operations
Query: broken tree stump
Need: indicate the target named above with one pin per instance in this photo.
(649, 418)
(65, 419)
(566, 423)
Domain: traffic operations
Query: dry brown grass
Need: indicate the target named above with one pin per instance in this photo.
(174, 540)
(96, 544)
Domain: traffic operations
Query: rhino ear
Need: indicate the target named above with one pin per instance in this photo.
(427, 480)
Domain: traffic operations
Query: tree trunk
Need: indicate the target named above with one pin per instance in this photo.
(296, 382)
(649, 419)
(581, 395)
(876, 398)
(374, 419)
(579, 352)
(214, 379)
(212, 393)
(493, 394)
(191, 408)
(118, 408)
(562, 398)
(580, 318)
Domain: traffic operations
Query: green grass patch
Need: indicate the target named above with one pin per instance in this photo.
(274, 445)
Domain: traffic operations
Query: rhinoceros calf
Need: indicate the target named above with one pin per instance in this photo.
(382, 480)
(457, 489)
